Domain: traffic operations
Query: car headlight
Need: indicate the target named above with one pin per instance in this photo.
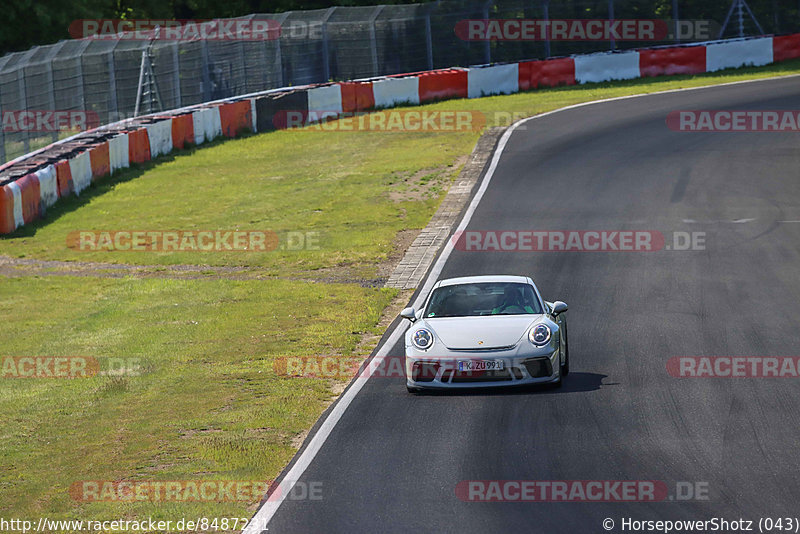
(422, 339)
(539, 335)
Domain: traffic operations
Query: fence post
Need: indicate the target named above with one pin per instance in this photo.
(176, 82)
(546, 7)
(2, 140)
(113, 107)
(23, 100)
(374, 40)
(487, 44)
(612, 42)
(429, 40)
(51, 96)
(326, 59)
(676, 17)
(206, 76)
(81, 91)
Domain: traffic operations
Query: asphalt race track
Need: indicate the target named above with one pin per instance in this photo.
(393, 461)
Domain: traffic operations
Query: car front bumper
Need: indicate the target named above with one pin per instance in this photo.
(442, 372)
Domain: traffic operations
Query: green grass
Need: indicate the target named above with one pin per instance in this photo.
(334, 183)
(210, 405)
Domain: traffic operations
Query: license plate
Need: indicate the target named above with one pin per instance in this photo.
(481, 365)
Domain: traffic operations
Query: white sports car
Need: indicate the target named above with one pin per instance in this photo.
(481, 331)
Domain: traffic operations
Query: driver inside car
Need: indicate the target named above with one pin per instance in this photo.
(512, 303)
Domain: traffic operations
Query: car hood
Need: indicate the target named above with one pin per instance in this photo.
(482, 333)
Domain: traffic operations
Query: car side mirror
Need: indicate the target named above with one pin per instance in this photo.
(559, 307)
(409, 313)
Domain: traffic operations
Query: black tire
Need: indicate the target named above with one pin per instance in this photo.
(556, 385)
(565, 367)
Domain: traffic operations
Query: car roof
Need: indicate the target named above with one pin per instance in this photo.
(484, 278)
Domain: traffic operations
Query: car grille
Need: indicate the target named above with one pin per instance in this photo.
(539, 367)
(481, 376)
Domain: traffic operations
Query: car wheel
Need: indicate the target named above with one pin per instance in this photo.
(560, 382)
(565, 367)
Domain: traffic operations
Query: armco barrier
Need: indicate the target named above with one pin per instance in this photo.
(118, 155)
(138, 146)
(30, 184)
(494, 80)
(80, 167)
(546, 73)
(64, 178)
(16, 195)
(182, 130)
(253, 121)
(235, 118)
(785, 47)
(675, 60)
(99, 160)
(356, 96)
(159, 135)
(207, 124)
(391, 92)
(7, 224)
(271, 105)
(30, 197)
(605, 67)
(326, 100)
(48, 186)
(732, 54)
(443, 84)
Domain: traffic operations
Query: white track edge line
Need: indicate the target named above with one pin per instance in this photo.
(263, 516)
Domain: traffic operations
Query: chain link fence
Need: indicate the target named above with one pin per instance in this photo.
(103, 77)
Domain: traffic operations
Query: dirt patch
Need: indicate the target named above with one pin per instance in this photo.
(424, 184)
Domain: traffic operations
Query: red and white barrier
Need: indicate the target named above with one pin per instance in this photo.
(48, 186)
(207, 125)
(733, 54)
(118, 152)
(494, 80)
(16, 204)
(391, 92)
(26, 199)
(80, 167)
(160, 135)
(325, 101)
(606, 67)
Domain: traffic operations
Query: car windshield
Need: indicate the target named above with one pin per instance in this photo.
(487, 298)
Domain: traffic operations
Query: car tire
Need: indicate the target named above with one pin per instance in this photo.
(560, 382)
(565, 367)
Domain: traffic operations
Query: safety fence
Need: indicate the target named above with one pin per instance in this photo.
(110, 78)
(32, 183)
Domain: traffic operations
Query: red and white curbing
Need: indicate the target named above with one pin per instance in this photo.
(25, 199)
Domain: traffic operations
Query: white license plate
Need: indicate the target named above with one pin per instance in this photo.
(481, 365)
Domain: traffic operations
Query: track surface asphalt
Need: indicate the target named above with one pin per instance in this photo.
(393, 461)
